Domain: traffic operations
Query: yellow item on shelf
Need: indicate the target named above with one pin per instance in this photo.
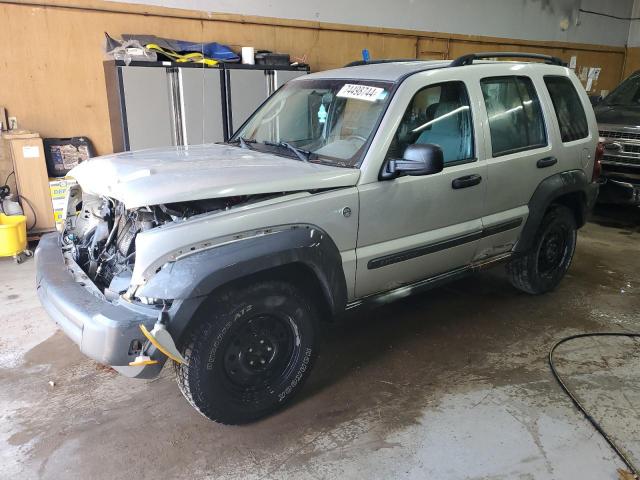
(194, 57)
(13, 235)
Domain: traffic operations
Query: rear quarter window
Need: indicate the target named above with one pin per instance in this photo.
(568, 107)
(515, 117)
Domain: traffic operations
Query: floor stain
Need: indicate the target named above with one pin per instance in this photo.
(389, 386)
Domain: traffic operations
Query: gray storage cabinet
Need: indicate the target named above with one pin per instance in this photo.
(202, 106)
(147, 100)
(249, 85)
(246, 90)
(159, 104)
(283, 76)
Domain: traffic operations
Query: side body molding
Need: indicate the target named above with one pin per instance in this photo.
(197, 275)
(549, 190)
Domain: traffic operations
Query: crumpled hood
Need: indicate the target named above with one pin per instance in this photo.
(177, 174)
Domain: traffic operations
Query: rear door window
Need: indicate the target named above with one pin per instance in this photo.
(568, 107)
(515, 117)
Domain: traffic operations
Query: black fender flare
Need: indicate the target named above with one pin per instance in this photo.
(190, 280)
(549, 191)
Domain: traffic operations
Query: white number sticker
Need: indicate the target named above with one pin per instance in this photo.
(30, 151)
(360, 92)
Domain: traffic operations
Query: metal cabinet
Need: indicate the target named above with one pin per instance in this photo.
(157, 104)
(246, 90)
(146, 99)
(280, 77)
(202, 112)
(248, 86)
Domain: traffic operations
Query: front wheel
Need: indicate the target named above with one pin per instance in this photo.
(542, 268)
(249, 353)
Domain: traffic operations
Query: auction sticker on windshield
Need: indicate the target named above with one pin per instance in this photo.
(360, 92)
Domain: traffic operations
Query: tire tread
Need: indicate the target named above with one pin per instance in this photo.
(521, 269)
(200, 328)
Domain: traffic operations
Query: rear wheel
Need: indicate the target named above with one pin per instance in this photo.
(250, 353)
(542, 268)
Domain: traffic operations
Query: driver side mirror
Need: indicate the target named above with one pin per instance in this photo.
(417, 160)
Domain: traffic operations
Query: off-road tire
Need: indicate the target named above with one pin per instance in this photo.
(535, 272)
(216, 378)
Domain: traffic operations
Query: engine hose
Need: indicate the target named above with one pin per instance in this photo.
(577, 403)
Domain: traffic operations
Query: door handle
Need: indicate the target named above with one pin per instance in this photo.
(466, 181)
(546, 162)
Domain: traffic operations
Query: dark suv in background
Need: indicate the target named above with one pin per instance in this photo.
(618, 118)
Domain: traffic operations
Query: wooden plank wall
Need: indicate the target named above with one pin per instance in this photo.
(632, 61)
(51, 75)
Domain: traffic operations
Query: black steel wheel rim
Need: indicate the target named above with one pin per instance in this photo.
(553, 250)
(261, 352)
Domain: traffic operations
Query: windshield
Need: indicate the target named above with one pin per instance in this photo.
(326, 121)
(627, 93)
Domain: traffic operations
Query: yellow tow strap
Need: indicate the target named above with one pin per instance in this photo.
(155, 343)
(142, 361)
(194, 57)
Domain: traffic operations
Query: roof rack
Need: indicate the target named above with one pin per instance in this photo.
(469, 58)
(385, 60)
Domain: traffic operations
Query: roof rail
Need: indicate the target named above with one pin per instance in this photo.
(386, 60)
(469, 58)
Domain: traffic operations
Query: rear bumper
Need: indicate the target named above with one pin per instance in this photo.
(104, 331)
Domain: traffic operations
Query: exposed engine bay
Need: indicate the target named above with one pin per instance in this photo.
(100, 232)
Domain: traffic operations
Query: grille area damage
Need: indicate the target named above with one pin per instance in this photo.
(100, 233)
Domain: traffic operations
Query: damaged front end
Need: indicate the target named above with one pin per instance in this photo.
(84, 279)
(100, 236)
(143, 236)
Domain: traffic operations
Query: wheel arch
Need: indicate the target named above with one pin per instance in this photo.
(300, 274)
(303, 255)
(576, 202)
(571, 189)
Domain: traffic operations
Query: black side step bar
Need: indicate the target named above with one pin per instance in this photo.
(469, 58)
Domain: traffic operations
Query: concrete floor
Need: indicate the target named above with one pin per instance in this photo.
(453, 384)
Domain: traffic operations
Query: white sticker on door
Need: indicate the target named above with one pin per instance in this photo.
(360, 92)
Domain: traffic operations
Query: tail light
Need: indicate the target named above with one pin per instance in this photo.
(597, 162)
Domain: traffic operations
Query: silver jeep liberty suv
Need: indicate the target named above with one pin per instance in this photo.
(345, 188)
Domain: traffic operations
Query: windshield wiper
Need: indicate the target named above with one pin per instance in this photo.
(301, 153)
(243, 142)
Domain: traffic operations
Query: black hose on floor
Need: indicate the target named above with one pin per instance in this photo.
(577, 403)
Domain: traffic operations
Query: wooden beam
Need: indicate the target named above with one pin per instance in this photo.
(177, 13)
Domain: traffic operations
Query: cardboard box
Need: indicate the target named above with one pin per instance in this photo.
(27, 155)
(58, 188)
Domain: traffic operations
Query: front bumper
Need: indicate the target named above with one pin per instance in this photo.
(619, 192)
(104, 331)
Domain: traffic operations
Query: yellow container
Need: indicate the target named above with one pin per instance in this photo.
(13, 235)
